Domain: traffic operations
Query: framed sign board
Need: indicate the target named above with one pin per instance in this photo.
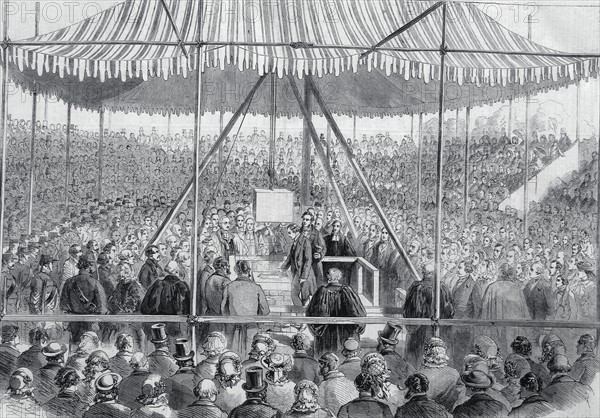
(275, 206)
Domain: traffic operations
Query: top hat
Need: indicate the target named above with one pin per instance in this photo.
(159, 334)
(254, 380)
(107, 381)
(389, 335)
(181, 352)
(54, 349)
(477, 379)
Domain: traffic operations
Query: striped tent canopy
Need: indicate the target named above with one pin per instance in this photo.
(246, 38)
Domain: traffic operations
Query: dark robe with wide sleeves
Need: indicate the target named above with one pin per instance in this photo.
(419, 304)
(168, 296)
(334, 300)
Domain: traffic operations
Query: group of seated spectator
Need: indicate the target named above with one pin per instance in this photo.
(276, 379)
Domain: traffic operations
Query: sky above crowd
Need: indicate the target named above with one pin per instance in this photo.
(566, 25)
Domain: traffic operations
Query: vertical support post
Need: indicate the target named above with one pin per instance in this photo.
(328, 138)
(598, 230)
(34, 98)
(578, 112)
(68, 155)
(412, 127)
(220, 146)
(456, 127)
(306, 149)
(439, 184)
(100, 153)
(360, 287)
(376, 301)
(354, 138)
(419, 163)
(3, 133)
(197, 172)
(526, 184)
(273, 127)
(169, 123)
(466, 191)
(510, 120)
(109, 124)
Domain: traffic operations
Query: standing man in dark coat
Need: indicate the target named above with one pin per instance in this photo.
(317, 246)
(333, 300)
(168, 296)
(43, 290)
(419, 304)
(300, 262)
(256, 405)
(243, 297)
(151, 270)
(213, 289)
(83, 295)
(539, 294)
(386, 346)
(338, 245)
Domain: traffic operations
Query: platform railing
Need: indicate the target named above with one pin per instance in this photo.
(365, 279)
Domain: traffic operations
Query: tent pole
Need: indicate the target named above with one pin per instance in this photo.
(354, 128)
(169, 123)
(321, 152)
(361, 176)
(194, 244)
(419, 163)
(456, 127)
(510, 120)
(466, 191)
(221, 146)
(328, 137)
(439, 184)
(34, 98)
(100, 153)
(3, 132)
(273, 126)
(598, 229)
(578, 113)
(526, 185)
(211, 153)
(306, 149)
(412, 126)
(68, 155)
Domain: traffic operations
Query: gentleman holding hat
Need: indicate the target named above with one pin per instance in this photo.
(161, 361)
(256, 395)
(479, 403)
(180, 386)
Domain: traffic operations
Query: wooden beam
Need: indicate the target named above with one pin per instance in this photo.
(439, 184)
(174, 209)
(101, 154)
(34, 98)
(466, 189)
(286, 319)
(273, 129)
(306, 148)
(320, 151)
(419, 164)
(378, 209)
(3, 134)
(403, 28)
(68, 155)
